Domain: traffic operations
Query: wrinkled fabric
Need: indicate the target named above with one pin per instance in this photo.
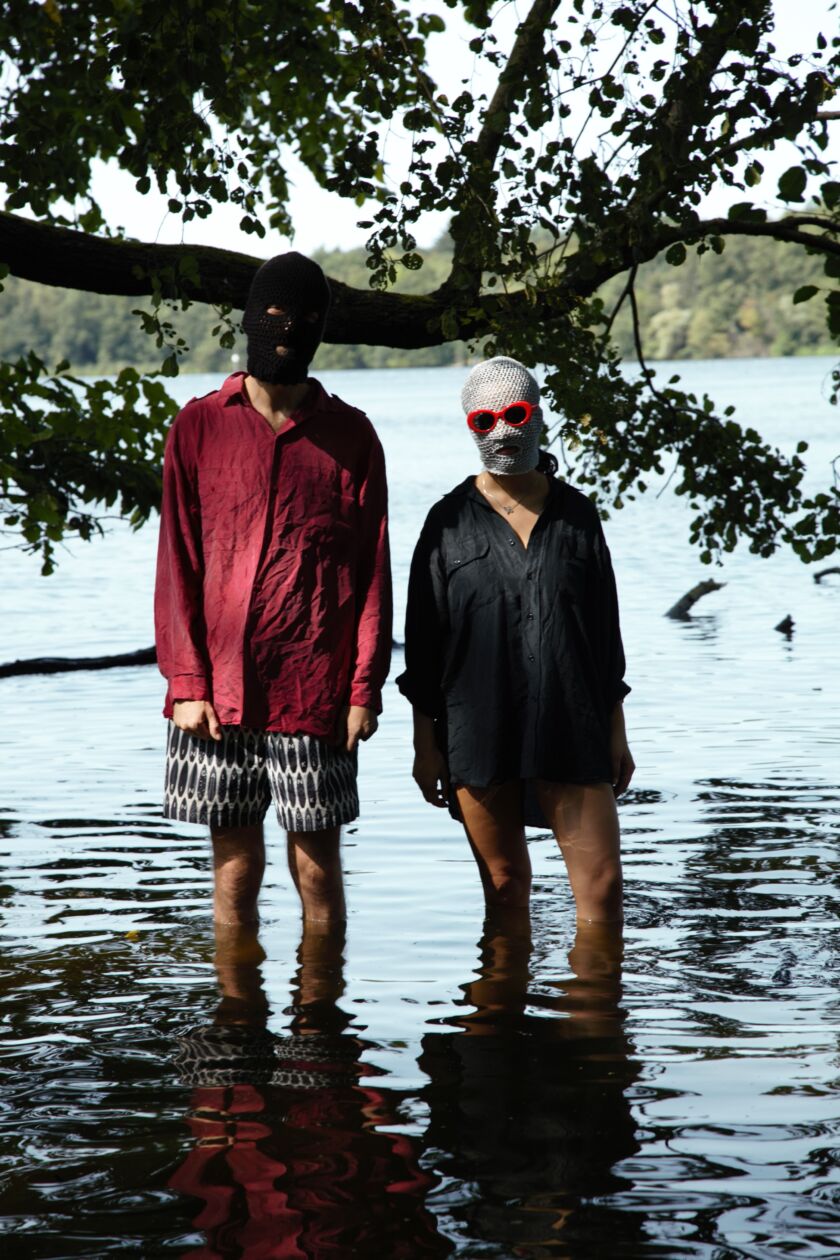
(273, 594)
(516, 653)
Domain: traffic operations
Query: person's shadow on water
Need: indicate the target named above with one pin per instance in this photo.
(289, 1159)
(527, 1106)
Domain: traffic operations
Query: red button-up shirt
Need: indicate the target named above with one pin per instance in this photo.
(273, 593)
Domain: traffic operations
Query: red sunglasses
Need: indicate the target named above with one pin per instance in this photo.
(484, 421)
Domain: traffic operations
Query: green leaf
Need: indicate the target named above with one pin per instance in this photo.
(431, 24)
(416, 119)
(804, 293)
(747, 212)
(830, 191)
(792, 184)
(676, 255)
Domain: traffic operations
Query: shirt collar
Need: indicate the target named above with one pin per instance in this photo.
(468, 487)
(317, 399)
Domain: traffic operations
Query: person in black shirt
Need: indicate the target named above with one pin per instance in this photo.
(514, 664)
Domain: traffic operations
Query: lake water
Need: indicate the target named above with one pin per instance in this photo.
(434, 1085)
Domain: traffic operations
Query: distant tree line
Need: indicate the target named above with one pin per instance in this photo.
(731, 305)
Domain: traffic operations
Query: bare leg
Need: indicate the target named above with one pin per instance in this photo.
(584, 820)
(315, 866)
(493, 823)
(238, 867)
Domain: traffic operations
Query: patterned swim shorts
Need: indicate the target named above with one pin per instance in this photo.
(232, 781)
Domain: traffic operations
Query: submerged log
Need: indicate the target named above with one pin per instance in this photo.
(785, 626)
(680, 610)
(63, 664)
(818, 577)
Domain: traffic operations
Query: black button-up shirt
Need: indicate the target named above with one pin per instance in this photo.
(516, 652)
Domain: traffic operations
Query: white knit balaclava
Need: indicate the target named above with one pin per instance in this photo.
(495, 384)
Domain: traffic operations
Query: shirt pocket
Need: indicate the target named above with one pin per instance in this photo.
(471, 577)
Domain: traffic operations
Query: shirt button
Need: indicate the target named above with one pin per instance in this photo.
(530, 658)
(530, 616)
(512, 542)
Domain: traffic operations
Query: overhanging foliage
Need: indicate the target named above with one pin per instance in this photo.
(607, 126)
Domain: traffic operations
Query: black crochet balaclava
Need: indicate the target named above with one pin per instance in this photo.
(298, 286)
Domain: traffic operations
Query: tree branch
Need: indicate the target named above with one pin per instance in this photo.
(631, 280)
(583, 282)
(59, 256)
(75, 260)
(770, 134)
(672, 123)
(480, 154)
(779, 229)
(764, 136)
(513, 82)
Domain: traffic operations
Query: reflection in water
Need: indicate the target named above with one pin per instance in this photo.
(731, 998)
(289, 1157)
(527, 1100)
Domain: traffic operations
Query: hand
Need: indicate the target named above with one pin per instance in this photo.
(355, 724)
(623, 765)
(196, 717)
(431, 774)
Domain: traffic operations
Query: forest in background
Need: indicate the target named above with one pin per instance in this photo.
(734, 305)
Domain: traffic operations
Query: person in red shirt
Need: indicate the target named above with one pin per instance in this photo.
(272, 602)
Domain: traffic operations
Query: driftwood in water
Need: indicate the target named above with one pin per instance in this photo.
(62, 664)
(680, 610)
(818, 577)
(785, 626)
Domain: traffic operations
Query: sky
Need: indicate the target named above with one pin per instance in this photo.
(324, 220)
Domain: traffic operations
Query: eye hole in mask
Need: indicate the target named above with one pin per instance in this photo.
(483, 420)
(277, 312)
